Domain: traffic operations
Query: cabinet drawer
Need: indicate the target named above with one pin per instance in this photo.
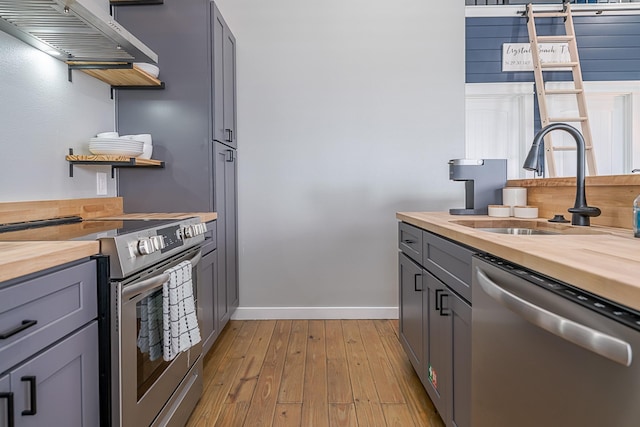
(54, 305)
(210, 242)
(410, 241)
(449, 262)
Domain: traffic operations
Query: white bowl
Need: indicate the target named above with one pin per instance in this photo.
(147, 149)
(525, 212)
(499, 211)
(108, 135)
(150, 69)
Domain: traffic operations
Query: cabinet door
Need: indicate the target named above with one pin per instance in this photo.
(7, 412)
(229, 91)
(59, 387)
(222, 155)
(231, 225)
(460, 396)
(227, 233)
(217, 46)
(207, 281)
(411, 312)
(436, 347)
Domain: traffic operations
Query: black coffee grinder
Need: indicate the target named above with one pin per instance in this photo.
(484, 181)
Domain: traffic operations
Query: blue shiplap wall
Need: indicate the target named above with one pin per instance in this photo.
(609, 47)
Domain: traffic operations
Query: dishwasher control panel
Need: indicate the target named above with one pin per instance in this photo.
(612, 310)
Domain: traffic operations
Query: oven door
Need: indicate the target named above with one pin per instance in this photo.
(145, 380)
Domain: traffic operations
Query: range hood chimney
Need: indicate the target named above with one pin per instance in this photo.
(72, 30)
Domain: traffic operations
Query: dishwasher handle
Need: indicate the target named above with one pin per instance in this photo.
(595, 341)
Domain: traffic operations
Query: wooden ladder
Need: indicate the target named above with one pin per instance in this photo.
(578, 89)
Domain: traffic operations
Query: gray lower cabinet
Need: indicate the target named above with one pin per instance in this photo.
(226, 206)
(59, 387)
(49, 373)
(411, 312)
(435, 320)
(207, 290)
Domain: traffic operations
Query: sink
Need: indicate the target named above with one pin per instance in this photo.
(524, 227)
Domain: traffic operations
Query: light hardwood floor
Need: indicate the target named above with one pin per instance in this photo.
(311, 373)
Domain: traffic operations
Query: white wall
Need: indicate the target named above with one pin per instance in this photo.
(42, 115)
(348, 111)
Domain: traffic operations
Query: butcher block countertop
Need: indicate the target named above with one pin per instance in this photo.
(606, 264)
(204, 216)
(20, 258)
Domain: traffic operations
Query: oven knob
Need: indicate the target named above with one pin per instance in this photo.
(145, 247)
(188, 231)
(201, 229)
(158, 242)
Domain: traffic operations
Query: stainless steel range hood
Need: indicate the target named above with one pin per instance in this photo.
(72, 30)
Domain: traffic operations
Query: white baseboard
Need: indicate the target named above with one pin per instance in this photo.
(264, 313)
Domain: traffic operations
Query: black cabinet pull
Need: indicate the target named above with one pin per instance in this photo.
(440, 296)
(415, 282)
(10, 416)
(409, 241)
(229, 135)
(31, 379)
(229, 156)
(26, 324)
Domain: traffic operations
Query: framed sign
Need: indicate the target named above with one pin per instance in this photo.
(517, 56)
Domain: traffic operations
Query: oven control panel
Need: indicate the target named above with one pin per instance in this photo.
(141, 249)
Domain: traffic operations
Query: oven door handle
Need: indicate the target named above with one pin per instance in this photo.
(154, 282)
(598, 342)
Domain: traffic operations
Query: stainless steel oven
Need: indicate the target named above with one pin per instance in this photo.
(144, 389)
(147, 390)
(136, 388)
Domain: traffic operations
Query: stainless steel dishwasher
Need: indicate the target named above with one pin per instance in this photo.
(545, 353)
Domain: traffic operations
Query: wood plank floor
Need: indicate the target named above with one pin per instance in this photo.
(311, 373)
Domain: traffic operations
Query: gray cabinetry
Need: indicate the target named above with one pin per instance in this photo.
(224, 80)
(435, 318)
(49, 348)
(7, 406)
(178, 117)
(208, 290)
(190, 122)
(59, 387)
(226, 207)
(411, 311)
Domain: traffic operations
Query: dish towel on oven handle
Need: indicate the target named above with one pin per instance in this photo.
(150, 334)
(181, 330)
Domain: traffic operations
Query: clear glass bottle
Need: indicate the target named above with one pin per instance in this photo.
(636, 217)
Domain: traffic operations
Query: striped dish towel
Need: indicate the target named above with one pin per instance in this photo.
(181, 330)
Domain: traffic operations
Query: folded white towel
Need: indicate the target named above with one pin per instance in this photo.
(150, 334)
(181, 330)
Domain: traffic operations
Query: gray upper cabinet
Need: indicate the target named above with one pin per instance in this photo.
(178, 117)
(224, 80)
(229, 55)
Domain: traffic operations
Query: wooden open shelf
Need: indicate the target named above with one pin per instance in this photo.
(121, 75)
(114, 161)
